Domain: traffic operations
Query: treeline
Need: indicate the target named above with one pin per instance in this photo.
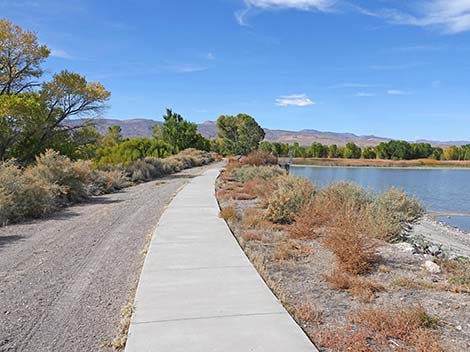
(392, 150)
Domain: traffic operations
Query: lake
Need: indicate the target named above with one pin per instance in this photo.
(441, 191)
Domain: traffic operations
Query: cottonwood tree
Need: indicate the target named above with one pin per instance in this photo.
(20, 58)
(240, 134)
(32, 115)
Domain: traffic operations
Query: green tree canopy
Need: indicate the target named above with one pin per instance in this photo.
(240, 134)
(180, 133)
(32, 115)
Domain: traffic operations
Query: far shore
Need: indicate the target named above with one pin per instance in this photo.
(379, 163)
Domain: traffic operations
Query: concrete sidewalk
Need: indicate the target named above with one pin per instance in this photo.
(198, 292)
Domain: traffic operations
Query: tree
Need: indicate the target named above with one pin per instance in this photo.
(369, 153)
(241, 134)
(333, 151)
(451, 153)
(33, 116)
(352, 151)
(180, 133)
(318, 150)
(20, 58)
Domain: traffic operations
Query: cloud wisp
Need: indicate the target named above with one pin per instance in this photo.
(60, 54)
(294, 100)
(304, 5)
(450, 16)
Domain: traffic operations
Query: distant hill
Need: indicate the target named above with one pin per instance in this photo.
(143, 128)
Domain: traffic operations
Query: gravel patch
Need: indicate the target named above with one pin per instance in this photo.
(65, 279)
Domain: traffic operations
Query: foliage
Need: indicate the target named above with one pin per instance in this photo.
(240, 134)
(392, 210)
(53, 181)
(292, 194)
(351, 151)
(150, 168)
(258, 158)
(248, 173)
(20, 58)
(32, 116)
(180, 133)
(131, 150)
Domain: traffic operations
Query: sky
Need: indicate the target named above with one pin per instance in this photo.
(392, 68)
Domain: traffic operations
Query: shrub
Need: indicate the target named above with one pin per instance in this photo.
(23, 196)
(392, 322)
(229, 213)
(259, 158)
(348, 239)
(391, 211)
(359, 287)
(308, 312)
(150, 168)
(248, 173)
(292, 194)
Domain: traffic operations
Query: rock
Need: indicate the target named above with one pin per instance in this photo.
(432, 267)
(406, 247)
(458, 327)
(434, 250)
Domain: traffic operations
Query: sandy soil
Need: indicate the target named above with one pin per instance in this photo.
(453, 241)
(65, 279)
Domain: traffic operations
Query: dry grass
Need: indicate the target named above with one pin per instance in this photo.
(229, 213)
(286, 250)
(457, 273)
(354, 249)
(253, 218)
(251, 235)
(379, 328)
(119, 342)
(306, 224)
(359, 287)
(259, 158)
(308, 312)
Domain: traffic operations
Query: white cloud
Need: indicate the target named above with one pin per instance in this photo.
(396, 92)
(320, 5)
(452, 16)
(304, 5)
(61, 54)
(210, 56)
(183, 68)
(364, 94)
(294, 100)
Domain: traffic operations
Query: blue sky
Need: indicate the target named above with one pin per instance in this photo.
(368, 67)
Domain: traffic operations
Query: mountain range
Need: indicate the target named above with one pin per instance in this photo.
(143, 128)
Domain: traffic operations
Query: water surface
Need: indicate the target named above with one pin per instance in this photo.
(444, 191)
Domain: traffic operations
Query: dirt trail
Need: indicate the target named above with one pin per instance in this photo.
(64, 280)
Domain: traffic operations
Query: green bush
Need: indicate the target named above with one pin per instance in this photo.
(292, 195)
(248, 173)
(344, 194)
(391, 211)
(23, 196)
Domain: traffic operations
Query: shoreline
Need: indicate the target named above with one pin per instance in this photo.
(414, 167)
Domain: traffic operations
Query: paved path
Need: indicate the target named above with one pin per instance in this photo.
(198, 292)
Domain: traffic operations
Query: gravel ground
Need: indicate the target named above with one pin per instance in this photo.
(452, 240)
(65, 279)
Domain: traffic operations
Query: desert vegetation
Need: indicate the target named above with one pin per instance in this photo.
(338, 259)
